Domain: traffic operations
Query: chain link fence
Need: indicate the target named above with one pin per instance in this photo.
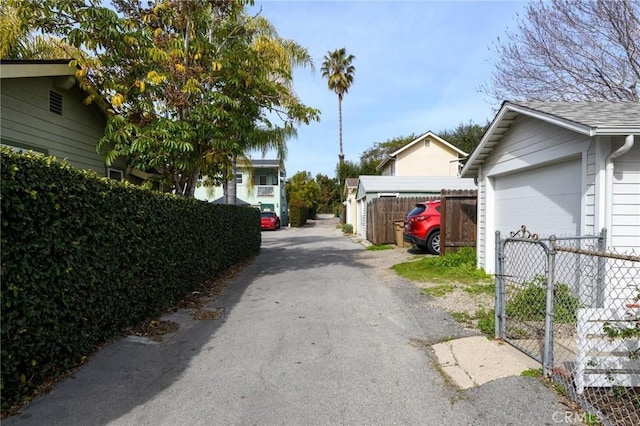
(575, 308)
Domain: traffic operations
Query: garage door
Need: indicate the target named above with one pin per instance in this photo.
(545, 199)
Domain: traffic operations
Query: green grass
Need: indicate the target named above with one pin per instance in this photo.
(532, 372)
(459, 267)
(485, 318)
(380, 247)
(437, 291)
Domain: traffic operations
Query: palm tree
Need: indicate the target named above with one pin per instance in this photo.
(339, 71)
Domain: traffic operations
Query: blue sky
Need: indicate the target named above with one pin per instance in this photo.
(418, 63)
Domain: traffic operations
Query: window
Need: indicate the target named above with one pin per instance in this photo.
(115, 174)
(238, 177)
(21, 147)
(265, 191)
(55, 102)
(427, 142)
(262, 180)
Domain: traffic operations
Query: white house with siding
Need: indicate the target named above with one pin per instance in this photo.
(259, 183)
(559, 168)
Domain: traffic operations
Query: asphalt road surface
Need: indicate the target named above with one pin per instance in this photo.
(310, 335)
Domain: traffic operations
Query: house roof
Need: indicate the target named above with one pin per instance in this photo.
(419, 139)
(394, 184)
(36, 68)
(587, 118)
(221, 200)
(351, 182)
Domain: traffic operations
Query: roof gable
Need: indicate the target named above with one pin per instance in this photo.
(587, 118)
(418, 140)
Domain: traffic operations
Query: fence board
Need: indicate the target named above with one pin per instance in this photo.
(458, 220)
(383, 212)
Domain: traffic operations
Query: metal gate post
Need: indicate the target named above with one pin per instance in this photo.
(547, 356)
(499, 290)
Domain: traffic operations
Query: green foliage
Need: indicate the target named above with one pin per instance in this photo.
(298, 213)
(347, 228)
(381, 150)
(465, 136)
(532, 372)
(84, 257)
(487, 321)
(379, 247)
(459, 266)
(190, 85)
(529, 303)
(476, 289)
(303, 187)
(330, 192)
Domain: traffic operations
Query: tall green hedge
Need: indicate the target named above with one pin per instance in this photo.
(298, 213)
(85, 257)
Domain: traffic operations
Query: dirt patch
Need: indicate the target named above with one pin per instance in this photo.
(465, 305)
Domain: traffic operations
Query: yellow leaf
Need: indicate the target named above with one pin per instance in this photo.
(140, 85)
(81, 73)
(197, 56)
(216, 66)
(180, 68)
(117, 100)
(23, 379)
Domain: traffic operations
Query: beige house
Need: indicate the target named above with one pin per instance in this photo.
(350, 187)
(428, 155)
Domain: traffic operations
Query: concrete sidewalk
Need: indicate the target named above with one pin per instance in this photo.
(476, 360)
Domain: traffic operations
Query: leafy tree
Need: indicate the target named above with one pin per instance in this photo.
(18, 42)
(303, 187)
(466, 136)
(339, 71)
(381, 150)
(571, 50)
(330, 193)
(191, 86)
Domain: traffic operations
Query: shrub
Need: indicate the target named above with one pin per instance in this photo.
(530, 302)
(84, 258)
(347, 228)
(298, 213)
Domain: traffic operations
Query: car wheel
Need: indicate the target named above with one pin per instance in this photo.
(433, 242)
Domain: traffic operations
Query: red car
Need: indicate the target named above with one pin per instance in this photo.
(269, 220)
(422, 226)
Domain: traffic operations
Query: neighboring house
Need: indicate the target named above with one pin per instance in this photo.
(428, 155)
(350, 187)
(260, 184)
(42, 109)
(559, 168)
(370, 187)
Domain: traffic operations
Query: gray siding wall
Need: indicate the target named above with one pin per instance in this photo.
(625, 232)
(25, 119)
(590, 225)
(530, 142)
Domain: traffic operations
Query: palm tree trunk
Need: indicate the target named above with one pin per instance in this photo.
(341, 155)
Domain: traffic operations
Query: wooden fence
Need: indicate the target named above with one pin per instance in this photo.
(457, 221)
(383, 212)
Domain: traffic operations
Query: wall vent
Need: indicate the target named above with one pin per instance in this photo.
(55, 102)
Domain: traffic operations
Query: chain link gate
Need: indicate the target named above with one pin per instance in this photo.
(574, 306)
(522, 269)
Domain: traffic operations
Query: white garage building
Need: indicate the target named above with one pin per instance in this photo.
(559, 168)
